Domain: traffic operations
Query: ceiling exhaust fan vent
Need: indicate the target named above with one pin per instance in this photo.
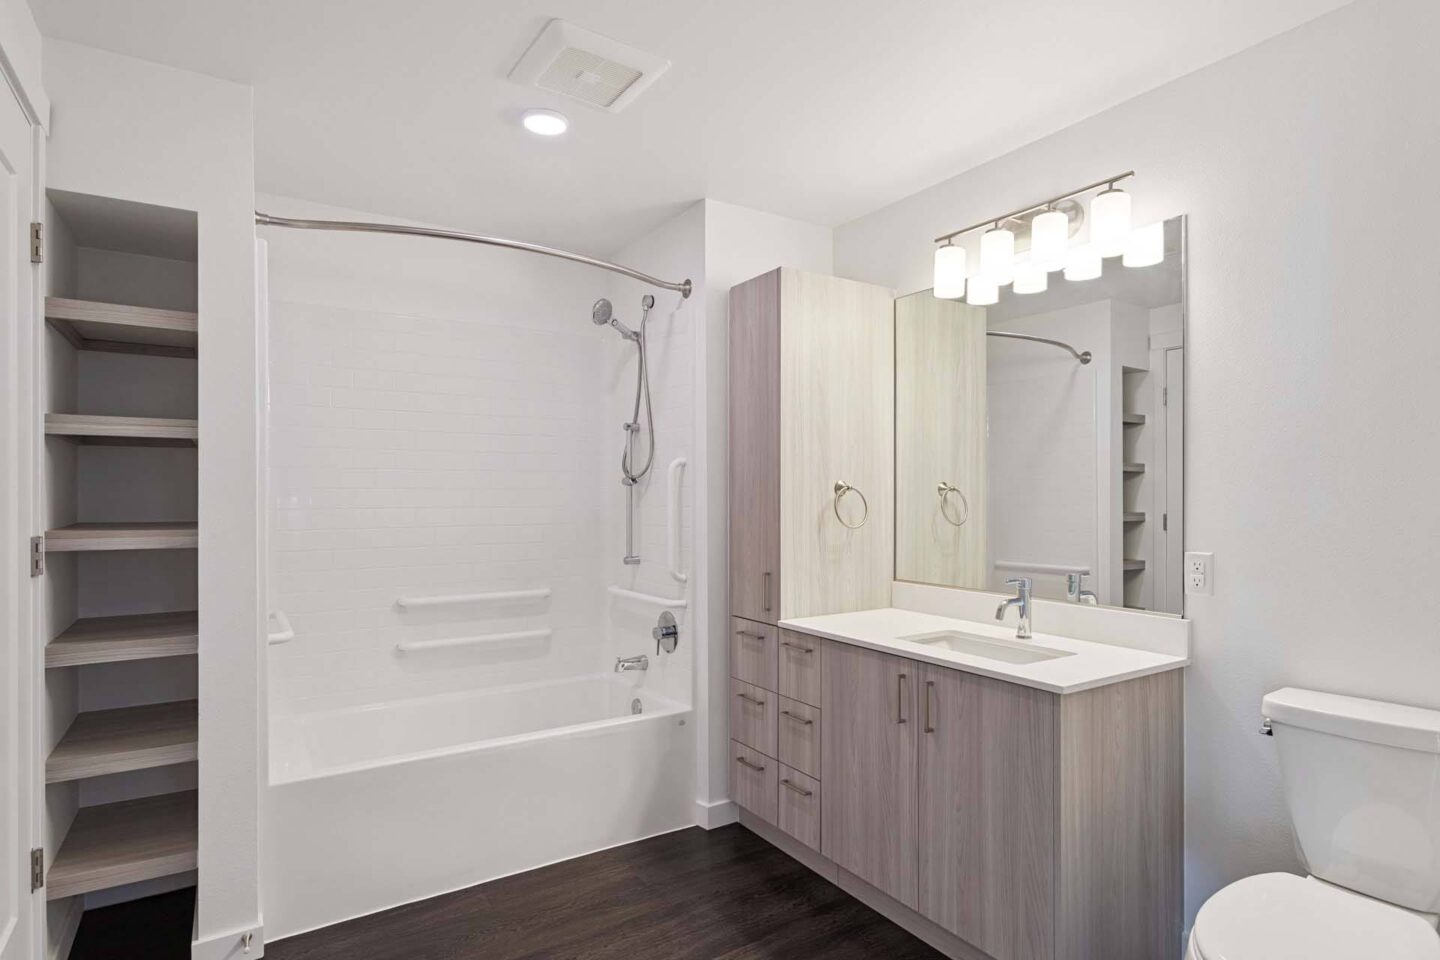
(585, 66)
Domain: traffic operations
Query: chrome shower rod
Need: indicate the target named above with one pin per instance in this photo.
(1084, 358)
(355, 226)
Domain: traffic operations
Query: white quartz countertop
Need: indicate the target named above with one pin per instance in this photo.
(1092, 664)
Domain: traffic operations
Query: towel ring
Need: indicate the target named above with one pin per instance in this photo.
(842, 488)
(945, 489)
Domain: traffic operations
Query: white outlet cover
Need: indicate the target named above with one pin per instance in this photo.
(1199, 574)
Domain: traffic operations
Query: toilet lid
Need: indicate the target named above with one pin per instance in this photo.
(1279, 916)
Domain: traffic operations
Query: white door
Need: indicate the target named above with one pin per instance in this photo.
(1174, 492)
(19, 829)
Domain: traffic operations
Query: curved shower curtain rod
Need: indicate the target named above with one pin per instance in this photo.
(355, 226)
(1084, 358)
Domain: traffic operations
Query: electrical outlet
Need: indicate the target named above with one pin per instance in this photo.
(1199, 574)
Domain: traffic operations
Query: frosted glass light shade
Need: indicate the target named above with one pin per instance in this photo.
(1146, 246)
(1110, 222)
(1083, 263)
(949, 272)
(1049, 238)
(997, 256)
(1030, 277)
(982, 292)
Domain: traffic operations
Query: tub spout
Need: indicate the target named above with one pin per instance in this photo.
(640, 662)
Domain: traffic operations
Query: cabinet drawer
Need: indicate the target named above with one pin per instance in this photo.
(799, 666)
(799, 736)
(799, 806)
(754, 715)
(755, 782)
(752, 653)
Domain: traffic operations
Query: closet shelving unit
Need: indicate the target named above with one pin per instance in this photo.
(119, 554)
(1133, 517)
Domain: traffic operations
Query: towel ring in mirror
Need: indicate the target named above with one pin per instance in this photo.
(945, 489)
(842, 488)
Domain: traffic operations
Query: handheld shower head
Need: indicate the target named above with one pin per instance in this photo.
(601, 313)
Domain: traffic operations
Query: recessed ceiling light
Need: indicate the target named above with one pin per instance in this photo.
(546, 123)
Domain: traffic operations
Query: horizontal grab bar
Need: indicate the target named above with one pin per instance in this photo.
(405, 603)
(408, 646)
(624, 594)
(1056, 568)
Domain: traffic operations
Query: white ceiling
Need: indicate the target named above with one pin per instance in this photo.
(822, 110)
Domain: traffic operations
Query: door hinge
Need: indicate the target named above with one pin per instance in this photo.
(37, 869)
(1164, 396)
(1164, 521)
(37, 556)
(37, 243)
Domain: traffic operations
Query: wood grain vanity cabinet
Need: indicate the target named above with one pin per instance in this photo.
(811, 404)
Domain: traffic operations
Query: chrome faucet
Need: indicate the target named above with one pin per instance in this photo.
(1075, 590)
(1021, 600)
(640, 662)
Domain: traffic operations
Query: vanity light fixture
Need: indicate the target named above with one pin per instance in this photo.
(1083, 263)
(1049, 239)
(997, 255)
(1030, 277)
(949, 272)
(545, 123)
(1146, 246)
(983, 291)
(1110, 221)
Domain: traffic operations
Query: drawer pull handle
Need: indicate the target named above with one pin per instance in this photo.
(900, 699)
(795, 646)
(796, 717)
(757, 767)
(755, 700)
(798, 789)
(751, 634)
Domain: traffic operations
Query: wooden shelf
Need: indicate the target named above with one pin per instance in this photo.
(119, 843)
(1133, 419)
(117, 328)
(141, 636)
(122, 536)
(1134, 516)
(1134, 566)
(1133, 467)
(128, 431)
(99, 742)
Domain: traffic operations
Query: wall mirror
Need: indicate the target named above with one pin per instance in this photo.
(1042, 436)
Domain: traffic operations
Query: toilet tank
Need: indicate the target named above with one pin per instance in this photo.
(1362, 781)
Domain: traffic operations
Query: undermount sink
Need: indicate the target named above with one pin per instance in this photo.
(993, 648)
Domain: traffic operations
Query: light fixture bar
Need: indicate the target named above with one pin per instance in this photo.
(991, 221)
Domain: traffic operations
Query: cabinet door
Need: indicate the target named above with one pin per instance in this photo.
(755, 448)
(867, 756)
(987, 807)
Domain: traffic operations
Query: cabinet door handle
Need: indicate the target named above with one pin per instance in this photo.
(755, 700)
(797, 718)
(766, 585)
(757, 767)
(798, 789)
(900, 699)
(795, 646)
(929, 696)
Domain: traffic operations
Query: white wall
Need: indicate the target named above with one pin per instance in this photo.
(1305, 165)
(137, 131)
(438, 426)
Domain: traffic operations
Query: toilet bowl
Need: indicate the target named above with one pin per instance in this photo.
(1362, 783)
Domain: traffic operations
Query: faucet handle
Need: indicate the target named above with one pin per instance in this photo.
(1024, 583)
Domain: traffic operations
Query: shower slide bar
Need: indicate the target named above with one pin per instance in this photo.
(649, 598)
(1051, 568)
(683, 288)
(408, 603)
(412, 646)
(673, 520)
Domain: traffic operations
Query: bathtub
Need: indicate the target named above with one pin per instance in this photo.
(372, 806)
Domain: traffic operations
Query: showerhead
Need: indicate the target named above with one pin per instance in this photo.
(601, 312)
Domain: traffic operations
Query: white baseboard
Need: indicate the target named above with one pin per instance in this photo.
(717, 814)
(63, 939)
(230, 945)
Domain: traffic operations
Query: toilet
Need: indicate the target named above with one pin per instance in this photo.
(1362, 783)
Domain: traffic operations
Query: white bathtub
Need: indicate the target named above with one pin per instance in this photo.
(373, 806)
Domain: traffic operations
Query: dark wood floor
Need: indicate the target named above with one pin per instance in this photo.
(695, 895)
(155, 928)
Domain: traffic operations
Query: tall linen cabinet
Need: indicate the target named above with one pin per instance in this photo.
(812, 406)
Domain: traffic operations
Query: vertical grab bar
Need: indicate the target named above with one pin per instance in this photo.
(673, 520)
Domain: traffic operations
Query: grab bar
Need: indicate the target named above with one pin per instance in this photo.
(410, 646)
(650, 598)
(673, 520)
(286, 633)
(1056, 568)
(405, 603)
